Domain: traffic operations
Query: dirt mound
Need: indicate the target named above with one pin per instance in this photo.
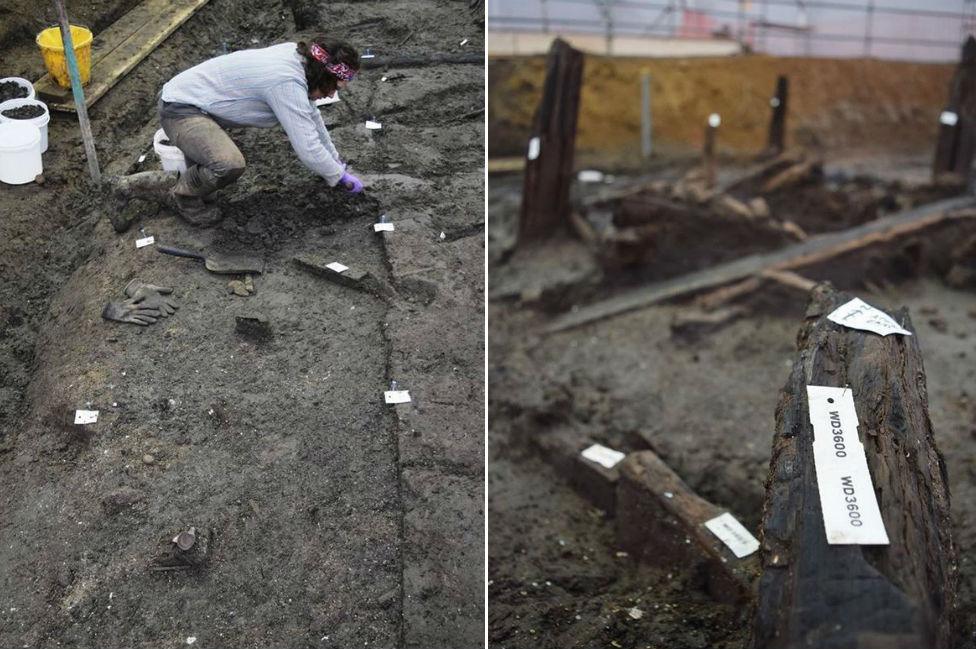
(833, 104)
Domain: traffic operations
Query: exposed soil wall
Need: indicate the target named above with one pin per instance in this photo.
(834, 103)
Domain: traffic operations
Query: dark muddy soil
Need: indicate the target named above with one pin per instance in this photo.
(331, 518)
(704, 401)
(23, 112)
(12, 90)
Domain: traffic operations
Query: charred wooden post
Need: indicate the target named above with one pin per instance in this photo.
(777, 123)
(956, 144)
(549, 167)
(857, 596)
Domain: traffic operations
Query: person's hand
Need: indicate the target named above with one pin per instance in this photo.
(351, 184)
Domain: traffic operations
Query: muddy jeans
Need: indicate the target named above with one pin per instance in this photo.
(212, 159)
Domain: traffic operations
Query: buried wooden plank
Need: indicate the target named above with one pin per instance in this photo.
(661, 521)
(813, 250)
(813, 593)
(562, 447)
(126, 43)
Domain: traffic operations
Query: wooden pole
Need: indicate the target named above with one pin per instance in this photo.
(814, 594)
(777, 123)
(708, 151)
(79, 94)
(956, 143)
(549, 163)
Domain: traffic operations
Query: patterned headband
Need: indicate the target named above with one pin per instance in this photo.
(340, 70)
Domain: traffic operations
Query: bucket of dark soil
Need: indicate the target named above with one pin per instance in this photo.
(23, 112)
(15, 88)
(30, 111)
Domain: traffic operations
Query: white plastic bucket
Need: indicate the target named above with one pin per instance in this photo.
(22, 82)
(40, 121)
(20, 152)
(171, 157)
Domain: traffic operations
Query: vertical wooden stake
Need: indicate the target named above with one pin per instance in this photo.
(777, 123)
(79, 94)
(956, 143)
(549, 164)
(708, 152)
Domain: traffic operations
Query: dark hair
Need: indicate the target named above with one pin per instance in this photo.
(315, 73)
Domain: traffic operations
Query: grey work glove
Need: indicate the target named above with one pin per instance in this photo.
(152, 297)
(130, 312)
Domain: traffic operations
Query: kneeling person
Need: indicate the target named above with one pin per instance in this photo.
(263, 88)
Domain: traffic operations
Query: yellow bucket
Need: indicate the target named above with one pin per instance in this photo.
(52, 49)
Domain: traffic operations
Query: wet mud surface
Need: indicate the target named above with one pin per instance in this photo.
(703, 398)
(331, 519)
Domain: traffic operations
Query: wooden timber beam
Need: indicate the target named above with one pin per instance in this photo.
(812, 593)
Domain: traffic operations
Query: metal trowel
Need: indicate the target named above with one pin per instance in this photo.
(218, 263)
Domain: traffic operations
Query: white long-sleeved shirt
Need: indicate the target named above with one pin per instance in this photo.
(261, 88)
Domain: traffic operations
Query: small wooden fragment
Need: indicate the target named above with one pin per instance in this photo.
(791, 176)
(790, 279)
(815, 594)
(350, 278)
(549, 168)
(661, 521)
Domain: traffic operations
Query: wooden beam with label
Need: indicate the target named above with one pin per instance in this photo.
(814, 593)
(120, 48)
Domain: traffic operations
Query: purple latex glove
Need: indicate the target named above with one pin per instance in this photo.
(352, 184)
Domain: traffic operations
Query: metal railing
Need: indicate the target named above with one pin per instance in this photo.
(932, 32)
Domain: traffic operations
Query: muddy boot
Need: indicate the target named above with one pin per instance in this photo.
(149, 185)
(194, 211)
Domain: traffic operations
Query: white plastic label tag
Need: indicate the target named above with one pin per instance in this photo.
(858, 314)
(850, 508)
(325, 101)
(464, 42)
(86, 416)
(382, 227)
(337, 267)
(373, 126)
(948, 118)
(732, 533)
(534, 146)
(145, 241)
(606, 457)
(397, 396)
(590, 176)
